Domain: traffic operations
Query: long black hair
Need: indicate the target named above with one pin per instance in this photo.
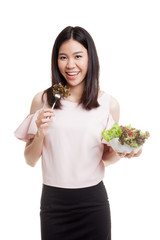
(89, 97)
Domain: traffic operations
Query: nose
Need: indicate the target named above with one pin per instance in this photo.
(70, 63)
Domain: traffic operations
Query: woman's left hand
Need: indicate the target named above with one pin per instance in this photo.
(129, 155)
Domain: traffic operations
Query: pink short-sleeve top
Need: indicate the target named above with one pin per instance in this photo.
(73, 147)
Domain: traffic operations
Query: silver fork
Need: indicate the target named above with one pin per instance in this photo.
(57, 97)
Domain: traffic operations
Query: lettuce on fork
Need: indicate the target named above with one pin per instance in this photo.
(126, 135)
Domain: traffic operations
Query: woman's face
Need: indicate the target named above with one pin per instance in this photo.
(73, 62)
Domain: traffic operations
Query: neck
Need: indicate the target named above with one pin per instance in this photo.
(76, 93)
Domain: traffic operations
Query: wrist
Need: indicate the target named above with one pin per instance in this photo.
(110, 158)
(39, 134)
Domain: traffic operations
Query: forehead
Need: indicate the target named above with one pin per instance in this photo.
(72, 46)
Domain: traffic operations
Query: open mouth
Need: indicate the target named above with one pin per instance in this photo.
(72, 74)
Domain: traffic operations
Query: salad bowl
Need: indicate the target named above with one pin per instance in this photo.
(117, 146)
(125, 138)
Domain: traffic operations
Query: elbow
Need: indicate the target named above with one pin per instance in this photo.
(106, 163)
(31, 164)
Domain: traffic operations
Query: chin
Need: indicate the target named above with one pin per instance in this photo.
(74, 82)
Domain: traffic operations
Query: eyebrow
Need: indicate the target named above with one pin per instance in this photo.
(73, 53)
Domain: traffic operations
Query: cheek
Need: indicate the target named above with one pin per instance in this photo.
(61, 66)
(84, 66)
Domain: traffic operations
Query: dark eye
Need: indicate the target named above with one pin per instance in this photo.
(63, 58)
(78, 56)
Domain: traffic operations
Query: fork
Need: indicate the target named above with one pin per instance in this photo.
(57, 97)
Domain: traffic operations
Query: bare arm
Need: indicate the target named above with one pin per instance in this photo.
(33, 149)
(110, 156)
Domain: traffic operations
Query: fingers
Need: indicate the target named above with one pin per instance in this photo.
(133, 154)
(44, 118)
(121, 155)
(46, 113)
(138, 153)
(47, 110)
(129, 155)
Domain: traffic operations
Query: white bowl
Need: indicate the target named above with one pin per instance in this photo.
(117, 146)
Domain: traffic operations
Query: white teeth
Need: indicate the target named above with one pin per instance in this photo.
(71, 74)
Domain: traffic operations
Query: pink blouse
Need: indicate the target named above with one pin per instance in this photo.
(73, 146)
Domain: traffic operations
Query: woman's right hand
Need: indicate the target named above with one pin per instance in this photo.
(43, 120)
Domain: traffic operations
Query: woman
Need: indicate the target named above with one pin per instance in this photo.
(74, 202)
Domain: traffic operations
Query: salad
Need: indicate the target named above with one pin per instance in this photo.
(125, 138)
(63, 91)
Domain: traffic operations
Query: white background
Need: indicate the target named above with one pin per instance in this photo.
(127, 36)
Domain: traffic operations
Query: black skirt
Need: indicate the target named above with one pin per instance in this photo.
(75, 214)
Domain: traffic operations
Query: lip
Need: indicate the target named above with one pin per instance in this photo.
(72, 75)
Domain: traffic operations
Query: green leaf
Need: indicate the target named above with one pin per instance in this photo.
(128, 127)
(114, 132)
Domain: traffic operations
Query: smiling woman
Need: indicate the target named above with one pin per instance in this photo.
(77, 61)
(74, 202)
(73, 65)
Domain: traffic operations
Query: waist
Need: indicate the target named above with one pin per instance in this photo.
(91, 194)
(72, 174)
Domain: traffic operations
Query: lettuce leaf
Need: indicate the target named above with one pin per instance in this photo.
(126, 134)
(114, 132)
